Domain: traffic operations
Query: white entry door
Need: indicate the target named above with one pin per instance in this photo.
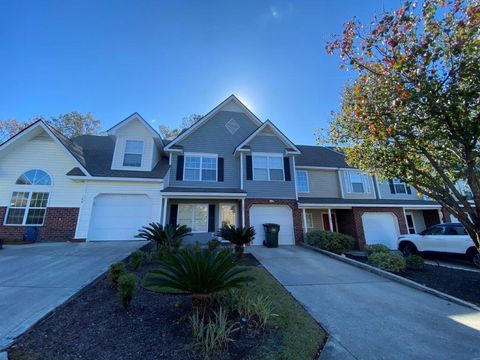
(119, 217)
(277, 214)
(381, 228)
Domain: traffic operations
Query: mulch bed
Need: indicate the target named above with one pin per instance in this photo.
(93, 325)
(462, 284)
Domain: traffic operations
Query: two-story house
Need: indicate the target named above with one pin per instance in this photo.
(228, 168)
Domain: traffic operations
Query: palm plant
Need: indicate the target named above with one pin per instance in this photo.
(199, 272)
(239, 236)
(166, 237)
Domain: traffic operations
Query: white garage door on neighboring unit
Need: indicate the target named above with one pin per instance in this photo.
(380, 228)
(278, 214)
(118, 217)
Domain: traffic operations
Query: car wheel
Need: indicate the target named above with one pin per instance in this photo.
(476, 260)
(408, 249)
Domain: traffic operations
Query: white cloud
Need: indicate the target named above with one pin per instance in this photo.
(274, 11)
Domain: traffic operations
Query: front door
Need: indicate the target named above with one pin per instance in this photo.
(228, 214)
(410, 223)
(326, 222)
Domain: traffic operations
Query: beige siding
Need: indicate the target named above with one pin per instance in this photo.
(39, 153)
(317, 218)
(347, 195)
(322, 183)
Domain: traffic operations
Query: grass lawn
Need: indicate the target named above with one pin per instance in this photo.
(296, 335)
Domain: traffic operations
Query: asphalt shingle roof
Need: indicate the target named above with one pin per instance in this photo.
(320, 156)
(339, 201)
(203, 190)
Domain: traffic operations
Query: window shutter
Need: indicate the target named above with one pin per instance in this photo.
(180, 159)
(211, 218)
(249, 167)
(286, 169)
(220, 169)
(409, 190)
(392, 187)
(173, 214)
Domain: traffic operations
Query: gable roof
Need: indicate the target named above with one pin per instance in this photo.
(320, 156)
(135, 116)
(292, 148)
(207, 117)
(73, 150)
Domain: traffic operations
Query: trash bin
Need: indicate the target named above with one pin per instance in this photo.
(271, 235)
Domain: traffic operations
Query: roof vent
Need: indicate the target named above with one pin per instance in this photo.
(232, 126)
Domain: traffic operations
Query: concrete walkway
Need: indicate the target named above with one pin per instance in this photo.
(36, 278)
(368, 316)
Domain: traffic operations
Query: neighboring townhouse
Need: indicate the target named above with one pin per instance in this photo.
(228, 168)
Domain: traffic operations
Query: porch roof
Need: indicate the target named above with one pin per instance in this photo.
(340, 202)
(203, 192)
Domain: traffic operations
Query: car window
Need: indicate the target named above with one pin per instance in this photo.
(459, 230)
(434, 230)
(451, 231)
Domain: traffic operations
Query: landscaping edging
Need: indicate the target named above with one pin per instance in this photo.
(394, 277)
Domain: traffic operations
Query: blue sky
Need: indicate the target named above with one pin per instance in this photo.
(167, 60)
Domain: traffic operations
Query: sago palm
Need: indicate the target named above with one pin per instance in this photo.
(239, 236)
(168, 236)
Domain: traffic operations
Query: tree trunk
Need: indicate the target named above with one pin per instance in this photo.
(239, 250)
(200, 301)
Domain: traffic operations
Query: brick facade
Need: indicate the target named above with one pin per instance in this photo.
(59, 225)
(292, 203)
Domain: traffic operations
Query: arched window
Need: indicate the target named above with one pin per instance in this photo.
(34, 177)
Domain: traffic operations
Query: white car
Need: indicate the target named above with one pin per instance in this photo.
(448, 238)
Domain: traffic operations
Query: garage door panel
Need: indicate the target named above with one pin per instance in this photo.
(380, 228)
(282, 215)
(119, 217)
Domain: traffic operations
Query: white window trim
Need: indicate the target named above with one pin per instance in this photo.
(268, 156)
(27, 208)
(399, 182)
(413, 221)
(133, 153)
(308, 185)
(365, 180)
(309, 219)
(193, 217)
(201, 155)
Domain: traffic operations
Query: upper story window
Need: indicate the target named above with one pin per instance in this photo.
(357, 182)
(34, 177)
(133, 153)
(302, 181)
(200, 168)
(399, 186)
(268, 167)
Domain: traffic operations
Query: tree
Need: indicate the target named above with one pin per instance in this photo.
(70, 124)
(186, 122)
(412, 111)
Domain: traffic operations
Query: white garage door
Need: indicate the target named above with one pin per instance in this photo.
(282, 215)
(118, 217)
(381, 228)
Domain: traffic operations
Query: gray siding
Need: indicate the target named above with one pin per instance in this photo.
(270, 189)
(322, 183)
(214, 138)
(385, 193)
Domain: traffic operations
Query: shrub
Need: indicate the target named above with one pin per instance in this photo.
(415, 262)
(126, 288)
(388, 261)
(213, 334)
(376, 248)
(239, 236)
(262, 308)
(330, 241)
(136, 259)
(116, 270)
(199, 272)
(168, 237)
(213, 245)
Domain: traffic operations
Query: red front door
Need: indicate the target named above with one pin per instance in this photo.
(326, 223)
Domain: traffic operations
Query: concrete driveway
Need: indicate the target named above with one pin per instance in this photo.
(36, 278)
(368, 316)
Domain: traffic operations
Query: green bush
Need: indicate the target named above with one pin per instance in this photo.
(116, 270)
(388, 261)
(376, 248)
(415, 262)
(126, 288)
(136, 259)
(330, 241)
(238, 236)
(168, 237)
(213, 245)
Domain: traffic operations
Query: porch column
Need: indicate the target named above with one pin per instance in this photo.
(440, 215)
(243, 212)
(164, 211)
(330, 221)
(304, 215)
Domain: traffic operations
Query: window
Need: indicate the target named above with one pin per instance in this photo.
(267, 167)
(195, 216)
(34, 177)
(357, 182)
(133, 153)
(302, 181)
(27, 208)
(455, 230)
(200, 168)
(434, 230)
(410, 223)
(309, 220)
(399, 186)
